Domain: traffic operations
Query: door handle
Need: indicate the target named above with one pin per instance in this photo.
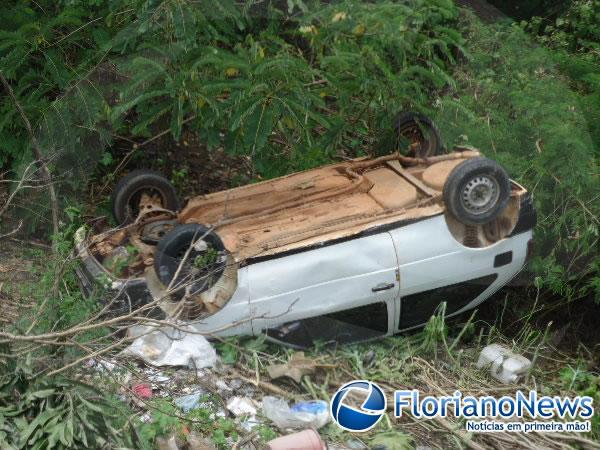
(382, 287)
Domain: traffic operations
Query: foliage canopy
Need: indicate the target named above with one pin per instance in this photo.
(294, 84)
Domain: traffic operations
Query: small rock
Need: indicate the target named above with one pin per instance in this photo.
(197, 442)
(236, 384)
(169, 443)
(355, 444)
(222, 386)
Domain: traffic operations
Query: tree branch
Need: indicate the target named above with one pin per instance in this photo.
(37, 154)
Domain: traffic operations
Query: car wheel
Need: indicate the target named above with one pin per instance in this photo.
(477, 191)
(190, 255)
(130, 190)
(419, 134)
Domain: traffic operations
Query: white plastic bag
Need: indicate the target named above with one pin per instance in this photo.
(168, 346)
(504, 365)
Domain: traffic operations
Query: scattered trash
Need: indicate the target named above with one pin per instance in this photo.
(142, 390)
(236, 384)
(313, 414)
(393, 440)
(303, 440)
(295, 368)
(241, 406)
(188, 402)
(505, 366)
(244, 407)
(158, 378)
(249, 423)
(168, 346)
(222, 386)
(100, 365)
(193, 441)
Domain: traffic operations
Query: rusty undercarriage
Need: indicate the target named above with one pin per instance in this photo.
(311, 207)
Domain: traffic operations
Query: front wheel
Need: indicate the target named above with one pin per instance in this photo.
(477, 191)
(190, 259)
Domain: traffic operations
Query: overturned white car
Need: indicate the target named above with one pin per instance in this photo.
(351, 251)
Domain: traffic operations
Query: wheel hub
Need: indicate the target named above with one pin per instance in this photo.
(480, 194)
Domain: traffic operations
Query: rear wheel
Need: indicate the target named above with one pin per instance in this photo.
(190, 259)
(417, 133)
(477, 191)
(142, 189)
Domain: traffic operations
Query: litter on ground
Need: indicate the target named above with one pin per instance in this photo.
(170, 346)
(314, 414)
(504, 365)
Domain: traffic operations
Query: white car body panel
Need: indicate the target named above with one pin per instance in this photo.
(341, 276)
(323, 280)
(430, 257)
(338, 276)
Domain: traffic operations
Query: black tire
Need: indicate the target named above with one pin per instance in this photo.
(477, 191)
(171, 250)
(418, 131)
(125, 197)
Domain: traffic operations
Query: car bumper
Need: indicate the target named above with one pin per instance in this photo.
(527, 215)
(122, 295)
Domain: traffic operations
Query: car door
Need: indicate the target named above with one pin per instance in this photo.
(340, 292)
(435, 268)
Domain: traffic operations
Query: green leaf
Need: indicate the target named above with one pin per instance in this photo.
(259, 126)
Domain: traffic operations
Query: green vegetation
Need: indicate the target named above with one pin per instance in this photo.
(206, 259)
(293, 86)
(163, 420)
(289, 85)
(585, 383)
(58, 413)
(513, 102)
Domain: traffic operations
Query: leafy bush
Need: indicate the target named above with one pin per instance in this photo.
(289, 88)
(575, 39)
(577, 30)
(57, 413)
(307, 87)
(513, 103)
(294, 84)
(584, 383)
(270, 80)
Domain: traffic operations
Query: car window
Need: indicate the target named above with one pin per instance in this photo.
(416, 309)
(350, 325)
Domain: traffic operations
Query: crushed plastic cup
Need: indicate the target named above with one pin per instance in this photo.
(302, 415)
(192, 401)
(304, 440)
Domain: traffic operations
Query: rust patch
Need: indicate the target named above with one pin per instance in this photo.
(321, 204)
(306, 208)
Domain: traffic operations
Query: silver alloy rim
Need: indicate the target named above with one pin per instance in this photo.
(480, 194)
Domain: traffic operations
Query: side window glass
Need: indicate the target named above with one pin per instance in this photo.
(416, 309)
(350, 325)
